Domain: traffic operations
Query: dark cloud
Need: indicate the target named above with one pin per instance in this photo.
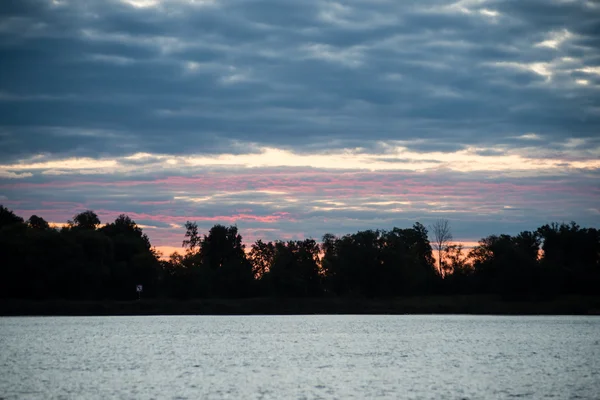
(292, 75)
(105, 79)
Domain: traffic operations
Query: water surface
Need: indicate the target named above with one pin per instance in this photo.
(300, 357)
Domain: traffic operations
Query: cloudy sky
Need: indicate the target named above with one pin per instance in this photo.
(296, 118)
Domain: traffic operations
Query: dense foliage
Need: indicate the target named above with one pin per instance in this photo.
(88, 260)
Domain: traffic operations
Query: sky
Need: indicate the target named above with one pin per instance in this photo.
(292, 119)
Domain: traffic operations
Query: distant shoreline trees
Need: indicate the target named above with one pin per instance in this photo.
(87, 261)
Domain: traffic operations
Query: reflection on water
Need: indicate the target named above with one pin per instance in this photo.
(300, 357)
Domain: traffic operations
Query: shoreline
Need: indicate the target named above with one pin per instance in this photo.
(451, 304)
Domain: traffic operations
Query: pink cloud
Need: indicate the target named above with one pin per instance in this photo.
(287, 199)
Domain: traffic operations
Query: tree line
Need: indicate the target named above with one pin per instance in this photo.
(85, 260)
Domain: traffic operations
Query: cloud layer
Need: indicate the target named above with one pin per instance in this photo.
(297, 118)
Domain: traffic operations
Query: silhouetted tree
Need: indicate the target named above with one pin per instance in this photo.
(82, 261)
(39, 223)
(221, 245)
(457, 262)
(506, 264)
(374, 263)
(182, 280)
(7, 217)
(442, 238)
(135, 262)
(350, 263)
(85, 220)
(222, 251)
(459, 270)
(408, 260)
(295, 268)
(14, 269)
(193, 239)
(571, 257)
(261, 257)
(123, 225)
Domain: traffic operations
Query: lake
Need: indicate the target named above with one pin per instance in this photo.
(300, 357)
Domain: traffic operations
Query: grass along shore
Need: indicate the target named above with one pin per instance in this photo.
(472, 304)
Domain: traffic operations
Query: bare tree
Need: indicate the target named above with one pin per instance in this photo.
(442, 238)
